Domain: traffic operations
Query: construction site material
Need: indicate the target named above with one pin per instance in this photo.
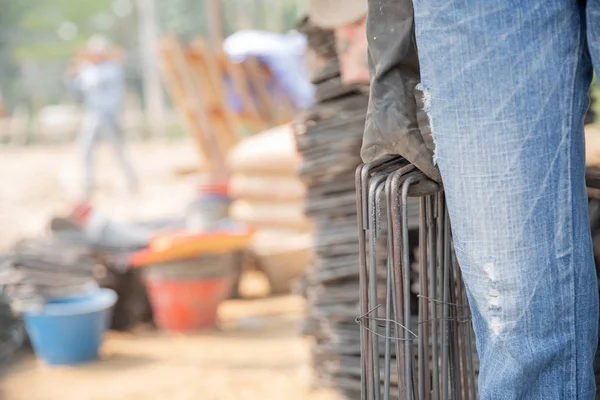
(42, 269)
(432, 356)
(269, 152)
(270, 214)
(255, 354)
(203, 266)
(274, 240)
(268, 196)
(69, 331)
(354, 67)
(329, 137)
(202, 82)
(283, 255)
(90, 226)
(184, 245)
(189, 89)
(257, 187)
(12, 331)
(209, 209)
(283, 268)
(188, 274)
(185, 294)
(284, 56)
(132, 307)
(189, 305)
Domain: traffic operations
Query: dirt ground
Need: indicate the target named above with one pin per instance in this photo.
(257, 353)
(38, 182)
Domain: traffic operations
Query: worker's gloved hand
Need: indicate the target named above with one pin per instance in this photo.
(393, 119)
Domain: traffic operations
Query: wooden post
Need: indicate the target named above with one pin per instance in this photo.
(259, 80)
(243, 18)
(243, 89)
(215, 21)
(275, 22)
(155, 105)
(191, 99)
(209, 80)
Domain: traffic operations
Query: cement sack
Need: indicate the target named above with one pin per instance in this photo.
(268, 241)
(270, 214)
(266, 187)
(272, 152)
(283, 255)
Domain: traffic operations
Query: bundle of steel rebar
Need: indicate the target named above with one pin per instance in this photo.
(430, 355)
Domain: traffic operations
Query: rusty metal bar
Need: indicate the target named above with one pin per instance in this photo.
(436, 363)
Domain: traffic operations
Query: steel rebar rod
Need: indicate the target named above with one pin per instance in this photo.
(422, 362)
(408, 345)
(444, 321)
(375, 187)
(431, 245)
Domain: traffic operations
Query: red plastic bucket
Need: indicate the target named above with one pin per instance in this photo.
(187, 305)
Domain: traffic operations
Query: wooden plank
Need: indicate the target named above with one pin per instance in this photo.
(215, 21)
(195, 100)
(285, 111)
(178, 96)
(259, 81)
(208, 96)
(215, 76)
(242, 88)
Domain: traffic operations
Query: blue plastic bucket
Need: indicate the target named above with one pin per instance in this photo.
(69, 331)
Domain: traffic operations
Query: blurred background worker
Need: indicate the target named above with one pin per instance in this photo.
(96, 76)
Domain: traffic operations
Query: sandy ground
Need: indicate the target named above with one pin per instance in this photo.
(39, 182)
(258, 352)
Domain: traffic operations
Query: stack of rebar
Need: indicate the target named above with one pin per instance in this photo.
(433, 351)
(329, 138)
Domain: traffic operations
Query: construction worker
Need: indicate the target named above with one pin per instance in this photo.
(96, 76)
(505, 86)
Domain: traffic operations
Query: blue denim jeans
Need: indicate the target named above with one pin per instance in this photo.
(506, 85)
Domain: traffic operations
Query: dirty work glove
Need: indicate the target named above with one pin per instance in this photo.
(392, 126)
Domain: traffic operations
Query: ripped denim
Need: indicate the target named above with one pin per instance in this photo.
(506, 90)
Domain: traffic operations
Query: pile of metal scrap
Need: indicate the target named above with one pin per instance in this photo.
(12, 332)
(45, 268)
(50, 267)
